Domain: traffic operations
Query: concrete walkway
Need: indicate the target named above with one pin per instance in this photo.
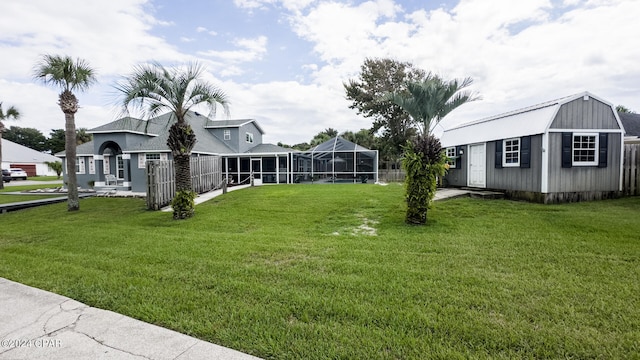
(37, 324)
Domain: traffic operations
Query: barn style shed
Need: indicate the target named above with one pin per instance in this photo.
(569, 149)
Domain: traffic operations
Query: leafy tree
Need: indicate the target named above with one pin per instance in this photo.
(11, 113)
(56, 140)
(155, 89)
(427, 102)
(368, 93)
(623, 109)
(82, 136)
(69, 75)
(363, 137)
(55, 166)
(29, 137)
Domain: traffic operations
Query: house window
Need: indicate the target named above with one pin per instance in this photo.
(143, 158)
(511, 153)
(452, 157)
(80, 165)
(249, 138)
(227, 134)
(585, 149)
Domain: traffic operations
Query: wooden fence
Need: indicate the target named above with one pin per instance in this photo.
(631, 170)
(206, 175)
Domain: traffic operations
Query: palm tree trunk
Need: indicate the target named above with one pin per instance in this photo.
(69, 105)
(73, 202)
(183, 172)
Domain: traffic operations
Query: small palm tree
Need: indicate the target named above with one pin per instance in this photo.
(69, 75)
(154, 89)
(12, 113)
(427, 102)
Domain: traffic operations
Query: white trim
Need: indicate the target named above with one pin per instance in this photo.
(504, 152)
(621, 160)
(122, 131)
(484, 164)
(92, 165)
(596, 149)
(126, 156)
(544, 183)
(98, 157)
(615, 131)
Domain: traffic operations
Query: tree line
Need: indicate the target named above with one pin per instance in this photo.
(36, 140)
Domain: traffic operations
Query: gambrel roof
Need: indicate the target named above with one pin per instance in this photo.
(531, 120)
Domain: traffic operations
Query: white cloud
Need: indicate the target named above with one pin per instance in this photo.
(250, 50)
(518, 53)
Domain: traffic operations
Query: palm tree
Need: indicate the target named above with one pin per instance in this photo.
(13, 113)
(154, 89)
(432, 99)
(427, 102)
(69, 75)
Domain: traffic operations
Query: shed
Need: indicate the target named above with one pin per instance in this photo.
(568, 149)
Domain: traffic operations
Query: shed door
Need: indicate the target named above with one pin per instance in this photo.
(477, 166)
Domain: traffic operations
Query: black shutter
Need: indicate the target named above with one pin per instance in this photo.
(525, 152)
(498, 154)
(459, 159)
(602, 151)
(567, 140)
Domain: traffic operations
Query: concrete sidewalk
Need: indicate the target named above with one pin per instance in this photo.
(37, 324)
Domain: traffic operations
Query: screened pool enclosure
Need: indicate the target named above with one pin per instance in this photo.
(334, 161)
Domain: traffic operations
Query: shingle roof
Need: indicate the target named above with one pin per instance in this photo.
(631, 123)
(213, 124)
(205, 141)
(82, 149)
(268, 149)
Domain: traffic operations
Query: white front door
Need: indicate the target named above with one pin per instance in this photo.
(477, 166)
(119, 167)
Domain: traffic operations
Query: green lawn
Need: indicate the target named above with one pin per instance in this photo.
(44, 178)
(331, 271)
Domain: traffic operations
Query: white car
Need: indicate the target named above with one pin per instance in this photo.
(17, 173)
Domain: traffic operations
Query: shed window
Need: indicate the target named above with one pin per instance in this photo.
(585, 149)
(249, 138)
(227, 134)
(451, 157)
(511, 153)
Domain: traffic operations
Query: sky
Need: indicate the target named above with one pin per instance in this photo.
(284, 62)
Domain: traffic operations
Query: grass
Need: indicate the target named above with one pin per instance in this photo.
(44, 178)
(317, 272)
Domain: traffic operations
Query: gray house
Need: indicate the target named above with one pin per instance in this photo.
(569, 149)
(631, 123)
(117, 156)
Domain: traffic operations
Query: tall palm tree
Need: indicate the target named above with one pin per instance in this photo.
(154, 89)
(69, 75)
(432, 99)
(427, 102)
(12, 113)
